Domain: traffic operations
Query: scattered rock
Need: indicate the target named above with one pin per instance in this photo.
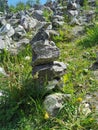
(7, 30)
(2, 71)
(19, 32)
(84, 108)
(38, 14)
(54, 102)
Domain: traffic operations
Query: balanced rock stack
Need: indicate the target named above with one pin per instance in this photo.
(45, 52)
(78, 15)
(73, 9)
(57, 18)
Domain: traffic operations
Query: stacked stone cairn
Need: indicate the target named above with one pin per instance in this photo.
(73, 9)
(78, 16)
(58, 18)
(48, 71)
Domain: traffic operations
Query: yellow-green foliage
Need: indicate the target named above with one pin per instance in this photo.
(47, 14)
(91, 38)
(20, 6)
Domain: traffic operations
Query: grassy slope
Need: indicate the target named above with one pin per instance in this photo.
(20, 109)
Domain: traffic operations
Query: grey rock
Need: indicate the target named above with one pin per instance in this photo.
(44, 73)
(92, 2)
(14, 22)
(73, 13)
(90, 16)
(82, 20)
(58, 68)
(1, 94)
(21, 13)
(28, 22)
(22, 42)
(38, 15)
(78, 30)
(5, 42)
(7, 30)
(50, 71)
(51, 33)
(84, 108)
(49, 27)
(72, 6)
(58, 17)
(11, 32)
(19, 32)
(75, 21)
(40, 12)
(2, 44)
(37, 6)
(54, 102)
(3, 21)
(92, 100)
(2, 71)
(42, 34)
(57, 23)
(44, 52)
(16, 47)
(31, 9)
(81, 2)
(51, 85)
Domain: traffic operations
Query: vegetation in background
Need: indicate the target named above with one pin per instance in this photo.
(22, 6)
(19, 6)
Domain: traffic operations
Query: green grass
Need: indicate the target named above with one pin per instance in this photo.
(21, 106)
(91, 38)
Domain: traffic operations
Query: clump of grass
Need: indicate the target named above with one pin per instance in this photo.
(47, 14)
(91, 38)
(65, 35)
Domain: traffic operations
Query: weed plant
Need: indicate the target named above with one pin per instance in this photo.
(91, 38)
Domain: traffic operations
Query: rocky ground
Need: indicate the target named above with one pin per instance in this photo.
(52, 37)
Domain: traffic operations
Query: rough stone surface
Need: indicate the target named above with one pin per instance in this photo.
(44, 52)
(92, 3)
(50, 71)
(2, 44)
(5, 42)
(7, 30)
(28, 22)
(40, 36)
(2, 71)
(58, 17)
(58, 23)
(54, 102)
(58, 68)
(22, 42)
(84, 108)
(72, 5)
(78, 30)
(92, 100)
(38, 15)
(51, 85)
(19, 32)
